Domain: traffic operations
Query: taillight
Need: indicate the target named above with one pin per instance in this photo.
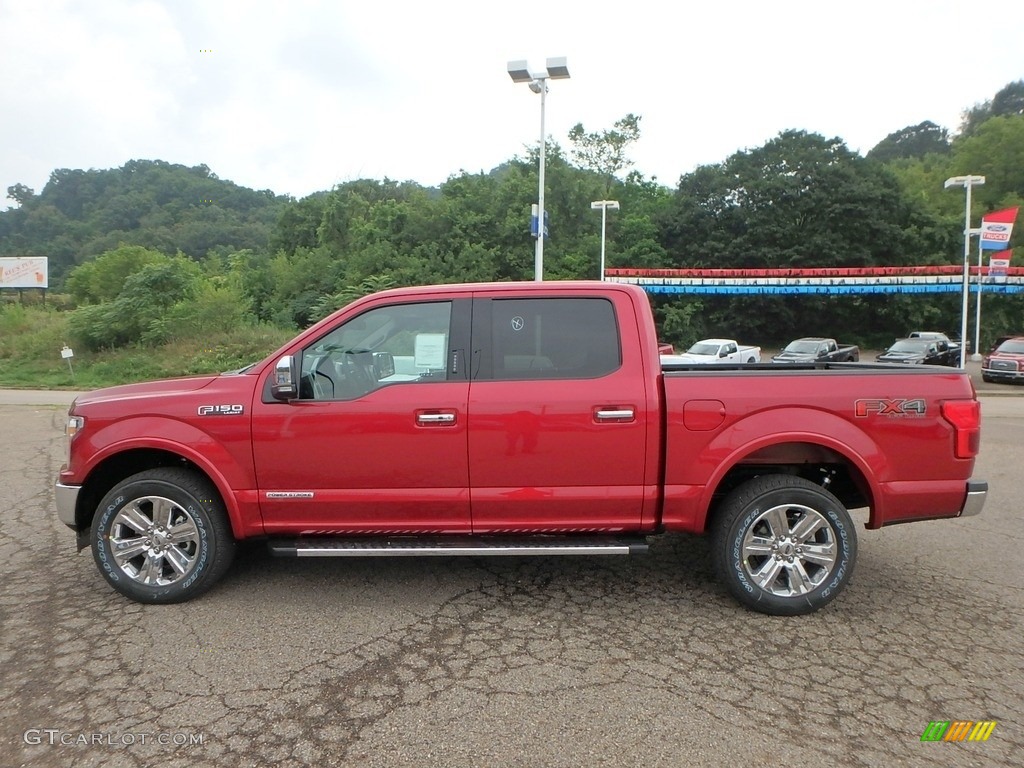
(965, 416)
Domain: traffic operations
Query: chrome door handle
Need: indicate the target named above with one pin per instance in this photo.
(615, 415)
(435, 418)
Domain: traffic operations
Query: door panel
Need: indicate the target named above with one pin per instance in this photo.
(357, 453)
(558, 426)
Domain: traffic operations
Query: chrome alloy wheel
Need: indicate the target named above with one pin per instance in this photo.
(789, 550)
(154, 541)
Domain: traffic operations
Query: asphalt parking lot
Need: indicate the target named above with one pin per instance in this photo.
(510, 662)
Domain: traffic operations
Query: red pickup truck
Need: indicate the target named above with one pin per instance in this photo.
(513, 419)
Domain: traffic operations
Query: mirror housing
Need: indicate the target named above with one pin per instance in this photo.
(283, 383)
(383, 365)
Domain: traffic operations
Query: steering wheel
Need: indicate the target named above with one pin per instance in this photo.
(356, 379)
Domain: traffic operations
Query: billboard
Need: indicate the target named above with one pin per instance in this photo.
(24, 272)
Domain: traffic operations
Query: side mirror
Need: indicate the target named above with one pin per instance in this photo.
(383, 365)
(283, 383)
(723, 354)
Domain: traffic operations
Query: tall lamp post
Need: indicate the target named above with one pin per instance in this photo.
(966, 182)
(556, 69)
(604, 205)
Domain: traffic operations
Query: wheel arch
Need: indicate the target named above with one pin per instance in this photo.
(836, 450)
(127, 461)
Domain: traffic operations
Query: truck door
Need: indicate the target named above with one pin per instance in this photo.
(558, 416)
(376, 441)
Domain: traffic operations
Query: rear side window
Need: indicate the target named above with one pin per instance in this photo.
(554, 338)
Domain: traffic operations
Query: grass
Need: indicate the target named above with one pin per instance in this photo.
(31, 339)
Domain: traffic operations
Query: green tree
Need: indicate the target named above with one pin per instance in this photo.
(912, 141)
(103, 278)
(1008, 102)
(20, 194)
(139, 314)
(801, 200)
(605, 151)
(996, 151)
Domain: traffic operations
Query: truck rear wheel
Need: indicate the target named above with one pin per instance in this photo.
(783, 545)
(162, 536)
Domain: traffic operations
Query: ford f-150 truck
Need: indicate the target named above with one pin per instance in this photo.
(513, 419)
(815, 348)
(719, 351)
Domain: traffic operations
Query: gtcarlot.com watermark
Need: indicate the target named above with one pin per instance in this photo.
(54, 737)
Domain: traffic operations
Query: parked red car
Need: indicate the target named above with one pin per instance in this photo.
(1006, 362)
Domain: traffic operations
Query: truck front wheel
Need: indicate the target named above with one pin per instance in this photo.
(162, 536)
(783, 545)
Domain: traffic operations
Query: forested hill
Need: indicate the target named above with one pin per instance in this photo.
(80, 214)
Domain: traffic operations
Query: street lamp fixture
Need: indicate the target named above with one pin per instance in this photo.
(555, 69)
(604, 205)
(966, 182)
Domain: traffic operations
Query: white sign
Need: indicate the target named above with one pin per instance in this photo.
(67, 352)
(430, 350)
(27, 272)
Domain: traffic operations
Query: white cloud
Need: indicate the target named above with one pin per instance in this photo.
(299, 96)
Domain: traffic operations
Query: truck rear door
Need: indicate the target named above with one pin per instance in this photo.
(558, 414)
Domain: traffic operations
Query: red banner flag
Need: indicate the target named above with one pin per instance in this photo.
(996, 228)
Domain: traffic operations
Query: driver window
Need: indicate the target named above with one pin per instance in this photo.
(402, 343)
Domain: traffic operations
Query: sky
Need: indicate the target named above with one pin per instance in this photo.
(303, 95)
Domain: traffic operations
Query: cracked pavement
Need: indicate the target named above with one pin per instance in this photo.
(510, 661)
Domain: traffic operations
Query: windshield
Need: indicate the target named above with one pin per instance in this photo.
(701, 348)
(908, 346)
(803, 347)
(1012, 347)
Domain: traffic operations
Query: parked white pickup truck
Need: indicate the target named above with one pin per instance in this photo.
(716, 351)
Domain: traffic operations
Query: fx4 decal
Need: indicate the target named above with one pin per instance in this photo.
(221, 410)
(894, 408)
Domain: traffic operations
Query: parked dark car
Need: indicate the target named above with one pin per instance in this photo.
(919, 351)
(952, 339)
(812, 349)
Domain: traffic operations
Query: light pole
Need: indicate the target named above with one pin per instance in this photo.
(557, 69)
(604, 205)
(976, 354)
(966, 182)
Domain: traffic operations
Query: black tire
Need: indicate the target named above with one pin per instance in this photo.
(162, 536)
(762, 540)
(751, 360)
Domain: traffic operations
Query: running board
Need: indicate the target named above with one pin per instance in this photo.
(408, 546)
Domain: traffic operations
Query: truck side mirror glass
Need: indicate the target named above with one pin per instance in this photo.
(383, 365)
(282, 387)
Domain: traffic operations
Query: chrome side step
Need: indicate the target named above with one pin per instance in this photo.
(473, 546)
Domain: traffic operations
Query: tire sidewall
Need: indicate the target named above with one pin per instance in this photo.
(750, 593)
(114, 502)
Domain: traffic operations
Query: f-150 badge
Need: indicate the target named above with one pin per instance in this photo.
(221, 410)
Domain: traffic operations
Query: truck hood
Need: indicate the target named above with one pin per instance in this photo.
(794, 357)
(148, 390)
(901, 357)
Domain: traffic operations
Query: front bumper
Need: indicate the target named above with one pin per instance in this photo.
(66, 499)
(977, 490)
(1002, 374)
